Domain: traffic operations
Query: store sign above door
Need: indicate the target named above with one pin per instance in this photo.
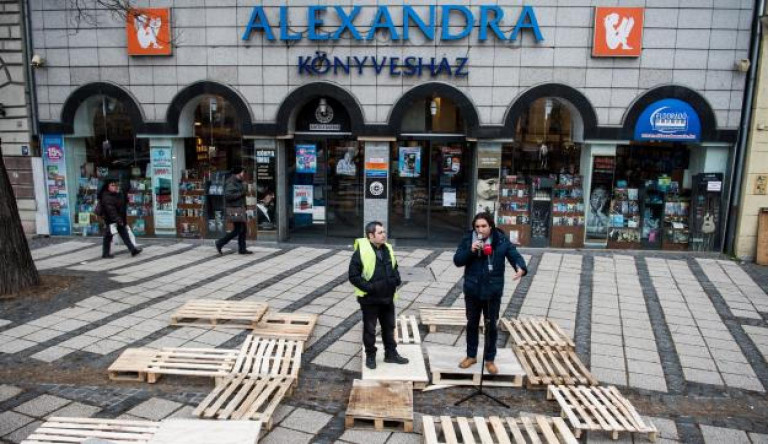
(669, 120)
(455, 22)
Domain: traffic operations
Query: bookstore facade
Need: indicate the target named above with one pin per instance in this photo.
(330, 141)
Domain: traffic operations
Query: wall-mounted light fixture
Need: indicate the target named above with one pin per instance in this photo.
(323, 107)
(433, 107)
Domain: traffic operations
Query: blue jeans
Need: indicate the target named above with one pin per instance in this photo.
(490, 310)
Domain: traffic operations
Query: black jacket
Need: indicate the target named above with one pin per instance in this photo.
(234, 192)
(479, 281)
(385, 280)
(113, 205)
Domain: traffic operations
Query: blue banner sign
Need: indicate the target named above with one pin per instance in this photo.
(56, 183)
(456, 22)
(669, 119)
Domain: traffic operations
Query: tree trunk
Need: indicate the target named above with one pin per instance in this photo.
(17, 269)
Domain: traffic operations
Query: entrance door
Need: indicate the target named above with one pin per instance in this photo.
(601, 189)
(430, 191)
(326, 190)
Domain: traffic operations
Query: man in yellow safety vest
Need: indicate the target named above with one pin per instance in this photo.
(373, 272)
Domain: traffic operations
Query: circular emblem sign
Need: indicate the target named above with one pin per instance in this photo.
(376, 188)
(324, 117)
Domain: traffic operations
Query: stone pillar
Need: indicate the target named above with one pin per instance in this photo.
(376, 206)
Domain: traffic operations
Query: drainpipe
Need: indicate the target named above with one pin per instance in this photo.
(734, 198)
(26, 25)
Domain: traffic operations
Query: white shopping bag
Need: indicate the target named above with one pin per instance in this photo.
(117, 240)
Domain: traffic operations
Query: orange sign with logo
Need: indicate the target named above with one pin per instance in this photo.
(618, 32)
(148, 31)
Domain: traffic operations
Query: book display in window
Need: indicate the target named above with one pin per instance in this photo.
(513, 216)
(139, 207)
(541, 210)
(568, 212)
(625, 231)
(676, 218)
(86, 223)
(190, 214)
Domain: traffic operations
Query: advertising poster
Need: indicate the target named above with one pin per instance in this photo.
(451, 160)
(162, 189)
(410, 161)
(449, 197)
(56, 181)
(306, 158)
(303, 199)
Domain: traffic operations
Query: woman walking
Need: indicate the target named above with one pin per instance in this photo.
(482, 253)
(113, 210)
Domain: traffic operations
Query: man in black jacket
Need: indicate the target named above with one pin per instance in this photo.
(373, 272)
(113, 210)
(234, 195)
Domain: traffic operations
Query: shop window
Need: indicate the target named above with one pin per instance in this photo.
(112, 152)
(433, 115)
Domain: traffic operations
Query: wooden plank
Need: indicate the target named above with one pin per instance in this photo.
(533, 436)
(58, 430)
(131, 365)
(448, 432)
(482, 431)
(467, 437)
(498, 430)
(516, 433)
(430, 434)
(547, 365)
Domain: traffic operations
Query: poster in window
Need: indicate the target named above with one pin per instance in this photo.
(449, 197)
(303, 199)
(306, 158)
(451, 160)
(410, 161)
(346, 164)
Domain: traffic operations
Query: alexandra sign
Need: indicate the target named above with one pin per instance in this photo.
(456, 22)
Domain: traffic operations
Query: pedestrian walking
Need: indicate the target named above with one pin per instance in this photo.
(482, 253)
(112, 209)
(234, 197)
(374, 274)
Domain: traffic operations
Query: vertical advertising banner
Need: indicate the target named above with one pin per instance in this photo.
(56, 184)
(162, 189)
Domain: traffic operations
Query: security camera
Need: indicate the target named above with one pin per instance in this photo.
(37, 61)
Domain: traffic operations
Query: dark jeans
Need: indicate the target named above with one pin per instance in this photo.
(107, 244)
(490, 311)
(385, 314)
(239, 230)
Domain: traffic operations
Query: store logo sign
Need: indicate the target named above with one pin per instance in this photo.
(148, 32)
(668, 119)
(618, 32)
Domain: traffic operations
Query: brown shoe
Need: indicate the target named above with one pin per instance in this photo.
(467, 362)
(491, 367)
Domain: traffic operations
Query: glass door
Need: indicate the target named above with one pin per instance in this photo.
(345, 189)
(601, 189)
(409, 211)
(449, 199)
(306, 193)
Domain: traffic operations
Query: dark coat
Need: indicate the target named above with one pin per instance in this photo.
(479, 282)
(113, 205)
(234, 192)
(384, 282)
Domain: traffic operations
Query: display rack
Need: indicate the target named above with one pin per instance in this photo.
(625, 232)
(676, 218)
(85, 221)
(568, 212)
(653, 215)
(190, 210)
(139, 207)
(513, 215)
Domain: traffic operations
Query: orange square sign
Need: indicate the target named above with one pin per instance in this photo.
(148, 31)
(618, 32)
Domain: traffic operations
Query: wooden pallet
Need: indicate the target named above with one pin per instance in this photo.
(414, 371)
(546, 365)
(537, 332)
(61, 430)
(382, 403)
(132, 365)
(269, 357)
(432, 317)
(523, 430)
(245, 398)
(204, 362)
(444, 366)
(215, 313)
(295, 326)
(407, 330)
(599, 408)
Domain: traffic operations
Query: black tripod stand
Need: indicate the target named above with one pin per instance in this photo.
(488, 325)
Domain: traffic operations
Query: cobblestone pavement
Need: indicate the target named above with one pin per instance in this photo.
(684, 336)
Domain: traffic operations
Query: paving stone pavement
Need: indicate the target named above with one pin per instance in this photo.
(683, 336)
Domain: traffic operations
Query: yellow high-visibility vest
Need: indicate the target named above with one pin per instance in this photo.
(368, 258)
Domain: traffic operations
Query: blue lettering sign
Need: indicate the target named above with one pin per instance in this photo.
(668, 119)
(320, 64)
(424, 18)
